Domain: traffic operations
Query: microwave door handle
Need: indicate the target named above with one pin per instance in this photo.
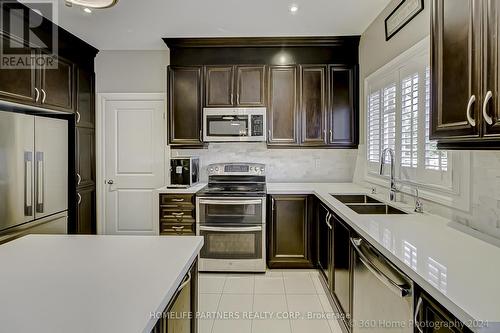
(234, 229)
(230, 202)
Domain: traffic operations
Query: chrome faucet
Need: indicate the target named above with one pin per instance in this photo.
(393, 190)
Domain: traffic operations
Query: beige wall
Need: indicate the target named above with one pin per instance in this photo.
(374, 51)
(131, 71)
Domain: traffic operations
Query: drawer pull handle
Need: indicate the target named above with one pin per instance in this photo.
(177, 214)
(177, 200)
(486, 117)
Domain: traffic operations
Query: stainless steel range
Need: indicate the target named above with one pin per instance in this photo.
(231, 216)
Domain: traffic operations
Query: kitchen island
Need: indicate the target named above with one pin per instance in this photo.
(69, 283)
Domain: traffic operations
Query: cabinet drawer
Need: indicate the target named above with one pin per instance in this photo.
(166, 213)
(167, 228)
(177, 199)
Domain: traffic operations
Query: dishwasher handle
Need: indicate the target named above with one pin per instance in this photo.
(401, 291)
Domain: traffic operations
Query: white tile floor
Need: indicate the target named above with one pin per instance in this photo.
(241, 297)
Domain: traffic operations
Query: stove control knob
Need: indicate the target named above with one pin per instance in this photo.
(262, 169)
(251, 168)
(216, 169)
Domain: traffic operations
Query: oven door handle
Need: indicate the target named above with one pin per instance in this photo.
(233, 229)
(230, 202)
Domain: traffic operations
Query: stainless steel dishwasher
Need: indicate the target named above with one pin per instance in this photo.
(382, 295)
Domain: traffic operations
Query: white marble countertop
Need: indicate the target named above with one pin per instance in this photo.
(460, 271)
(69, 283)
(190, 190)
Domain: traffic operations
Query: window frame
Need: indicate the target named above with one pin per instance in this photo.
(450, 188)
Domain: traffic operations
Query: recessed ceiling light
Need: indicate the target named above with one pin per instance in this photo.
(87, 10)
(293, 9)
(93, 3)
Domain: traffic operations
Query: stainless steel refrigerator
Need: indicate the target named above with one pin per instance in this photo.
(33, 173)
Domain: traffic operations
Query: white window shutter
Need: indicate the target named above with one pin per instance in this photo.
(373, 132)
(389, 117)
(409, 121)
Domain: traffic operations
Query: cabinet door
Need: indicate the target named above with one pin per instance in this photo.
(219, 86)
(342, 265)
(289, 233)
(85, 157)
(324, 244)
(433, 318)
(491, 69)
(85, 109)
(343, 107)
(250, 86)
(17, 84)
(282, 110)
(455, 68)
(57, 86)
(185, 105)
(86, 211)
(313, 105)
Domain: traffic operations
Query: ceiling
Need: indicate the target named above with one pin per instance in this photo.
(140, 24)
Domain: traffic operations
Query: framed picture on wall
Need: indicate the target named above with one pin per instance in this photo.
(401, 16)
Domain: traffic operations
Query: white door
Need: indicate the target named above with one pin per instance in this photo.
(134, 153)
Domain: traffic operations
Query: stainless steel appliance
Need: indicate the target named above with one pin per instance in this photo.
(184, 171)
(382, 295)
(234, 124)
(33, 172)
(231, 216)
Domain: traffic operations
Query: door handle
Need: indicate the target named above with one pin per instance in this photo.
(417, 311)
(327, 220)
(79, 179)
(37, 97)
(471, 120)
(401, 291)
(44, 96)
(78, 117)
(28, 184)
(486, 117)
(187, 279)
(40, 191)
(201, 135)
(331, 136)
(110, 182)
(230, 202)
(234, 229)
(79, 198)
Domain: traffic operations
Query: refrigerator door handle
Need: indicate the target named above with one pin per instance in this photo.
(40, 193)
(28, 183)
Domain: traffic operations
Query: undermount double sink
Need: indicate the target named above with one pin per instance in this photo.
(366, 205)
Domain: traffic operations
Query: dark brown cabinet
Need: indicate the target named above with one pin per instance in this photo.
(85, 157)
(464, 70)
(86, 211)
(313, 104)
(342, 114)
(85, 98)
(342, 266)
(325, 244)
(234, 86)
(177, 215)
(57, 86)
(282, 110)
(180, 314)
(18, 84)
(433, 318)
(289, 232)
(185, 95)
(219, 86)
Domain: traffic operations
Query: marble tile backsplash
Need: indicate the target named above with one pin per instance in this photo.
(283, 165)
(484, 215)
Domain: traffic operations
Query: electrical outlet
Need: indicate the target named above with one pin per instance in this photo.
(317, 163)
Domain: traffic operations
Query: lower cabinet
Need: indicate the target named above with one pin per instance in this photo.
(177, 215)
(342, 266)
(324, 244)
(180, 314)
(289, 232)
(433, 318)
(86, 211)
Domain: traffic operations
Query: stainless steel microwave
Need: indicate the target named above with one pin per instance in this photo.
(234, 124)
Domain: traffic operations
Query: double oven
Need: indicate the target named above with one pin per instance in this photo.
(231, 217)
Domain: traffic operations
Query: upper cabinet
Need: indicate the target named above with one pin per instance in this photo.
(343, 106)
(234, 86)
(185, 105)
(57, 86)
(465, 73)
(85, 113)
(313, 104)
(282, 108)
